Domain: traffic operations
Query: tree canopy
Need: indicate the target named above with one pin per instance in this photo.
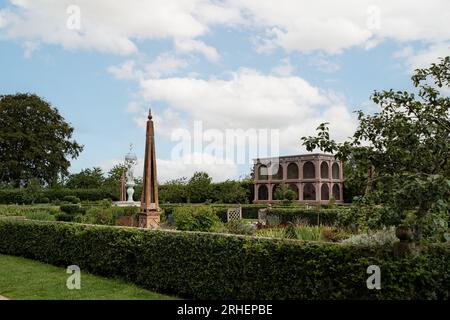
(35, 141)
(404, 148)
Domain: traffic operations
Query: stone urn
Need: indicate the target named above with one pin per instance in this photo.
(404, 233)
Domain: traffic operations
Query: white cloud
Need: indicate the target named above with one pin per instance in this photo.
(324, 64)
(169, 169)
(250, 99)
(423, 58)
(332, 26)
(284, 69)
(29, 48)
(125, 71)
(294, 25)
(165, 64)
(109, 25)
(190, 45)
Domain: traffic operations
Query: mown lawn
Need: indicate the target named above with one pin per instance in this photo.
(27, 279)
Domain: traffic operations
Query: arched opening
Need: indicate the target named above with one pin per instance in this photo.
(292, 171)
(274, 193)
(336, 192)
(325, 192)
(324, 170)
(263, 193)
(262, 172)
(309, 191)
(294, 188)
(335, 170)
(309, 170)
(277, 172)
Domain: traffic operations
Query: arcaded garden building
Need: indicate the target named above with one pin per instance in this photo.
(313, 177)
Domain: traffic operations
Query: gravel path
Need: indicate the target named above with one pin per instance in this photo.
(3, 298)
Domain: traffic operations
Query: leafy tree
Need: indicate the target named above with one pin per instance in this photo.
(283, 192)
(404, 148)
(115, 174)
(35, 141)
(173, 191)
(86, 179)
(199, 187)
(230, 192)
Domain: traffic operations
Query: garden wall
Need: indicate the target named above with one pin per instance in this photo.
(214, 266)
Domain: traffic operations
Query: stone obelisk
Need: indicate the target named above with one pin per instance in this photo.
(149, 216)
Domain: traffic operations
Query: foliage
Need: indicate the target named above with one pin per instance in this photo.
(290, 231)
(311, 216)
(216, 266)
(201, 218)
(173, 191)
(239, 227)
(72, 199)
(72, 209)
(86, 179)
(199, 187)
(40, 215)
(283, 192)
(35, 141)
(404, 147)
(230, 191)
(378, 238)
(19, 196)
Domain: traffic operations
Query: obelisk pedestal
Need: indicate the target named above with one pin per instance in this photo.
(149, 216)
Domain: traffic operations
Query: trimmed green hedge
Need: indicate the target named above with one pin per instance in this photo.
(311, 216)
(214, 266)
(11, 196)
(249, 211)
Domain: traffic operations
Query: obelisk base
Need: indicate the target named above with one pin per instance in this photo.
(149, 220)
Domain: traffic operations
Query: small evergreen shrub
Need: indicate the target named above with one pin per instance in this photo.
(201, 218)
(72, 209)
(72, 199)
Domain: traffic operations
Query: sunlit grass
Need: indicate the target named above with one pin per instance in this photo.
(27, 279)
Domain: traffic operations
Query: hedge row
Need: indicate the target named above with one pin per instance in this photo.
(249, 211)
(214, 266)
(20, 196)
(311, 216)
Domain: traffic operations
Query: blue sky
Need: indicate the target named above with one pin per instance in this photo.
(231, 65)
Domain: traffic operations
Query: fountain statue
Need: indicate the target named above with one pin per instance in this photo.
(130, 163)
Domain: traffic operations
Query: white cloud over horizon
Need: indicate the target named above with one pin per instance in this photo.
(331, 27)
(168, 169)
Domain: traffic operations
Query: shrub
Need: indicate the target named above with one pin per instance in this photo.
(21, 196)
(72, 209)
(214, 266)
(43, 200)
(40, 215)
(72, 199)
(239, 227)
(201, 218)
(312, 216)
(290, 231)
(64, 217)
(378, 238)
(105, 216)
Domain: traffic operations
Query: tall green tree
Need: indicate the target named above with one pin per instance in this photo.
(173, 191)
(405, 147)
(230, 191)
(86, 179)
(35, 141)
(199, 187)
